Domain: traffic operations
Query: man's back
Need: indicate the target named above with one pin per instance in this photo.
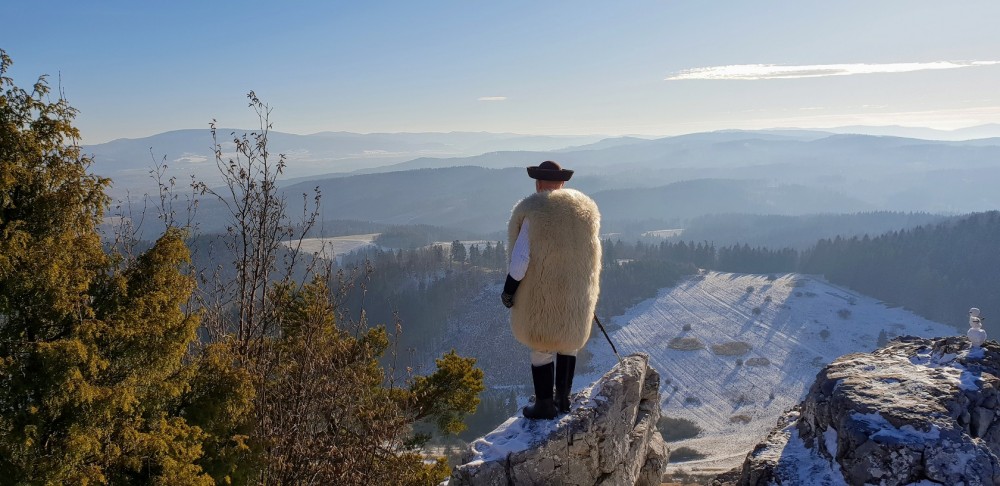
(556, 298)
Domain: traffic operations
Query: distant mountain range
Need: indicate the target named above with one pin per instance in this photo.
(190, 151)
(432, 179)
(186, 152)
(989, 130)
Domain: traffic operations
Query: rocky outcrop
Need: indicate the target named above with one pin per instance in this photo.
(918, 411)
(608, 438)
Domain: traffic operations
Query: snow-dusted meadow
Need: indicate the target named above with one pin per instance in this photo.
(793, 325)
(333, 247)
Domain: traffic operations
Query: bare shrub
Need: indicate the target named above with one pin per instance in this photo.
(844, 313)
(685, 344)
(321, 408)
(682, 454)
(825, 334)
(732, 348)
(738, 419)
(686, 327)
(758, 362)
(692, 401)
(768, 299)
(750, 289)
(756, 311)
(675, 429)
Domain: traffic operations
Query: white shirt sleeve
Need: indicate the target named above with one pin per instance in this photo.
(520, 254)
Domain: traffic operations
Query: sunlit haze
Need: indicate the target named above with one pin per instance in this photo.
(645, 67)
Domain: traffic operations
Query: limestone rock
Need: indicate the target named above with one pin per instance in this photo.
(608, 438)
(915, 410)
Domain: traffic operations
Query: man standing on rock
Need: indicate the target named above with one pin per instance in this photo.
(553, 282)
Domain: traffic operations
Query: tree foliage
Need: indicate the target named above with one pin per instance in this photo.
(458, 253)
(331, 418)
(938, 271)
(323, 408)
(92, 346)
(103, 377)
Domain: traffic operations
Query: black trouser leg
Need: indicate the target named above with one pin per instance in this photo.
(544, 407)
(565, 368)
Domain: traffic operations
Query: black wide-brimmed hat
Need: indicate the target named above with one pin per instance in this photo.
(549, 171)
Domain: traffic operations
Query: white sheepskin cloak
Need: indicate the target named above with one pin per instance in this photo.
(554, 304)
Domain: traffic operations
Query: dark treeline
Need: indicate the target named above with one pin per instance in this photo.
(735, 258)
(420, 288)
(938, 271)
(799, 232)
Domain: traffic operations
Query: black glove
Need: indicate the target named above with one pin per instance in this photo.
(509, 289)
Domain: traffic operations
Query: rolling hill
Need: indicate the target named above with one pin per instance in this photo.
(731, 360)
(800, 323)
(480, 199)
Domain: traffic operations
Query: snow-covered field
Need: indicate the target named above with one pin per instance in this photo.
(793, 325)
(667, 233)
(468, 243)
(336, 246)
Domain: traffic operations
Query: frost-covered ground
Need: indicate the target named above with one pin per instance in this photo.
(666, 233)
(519, 433)
(802, 324)
(336, 246)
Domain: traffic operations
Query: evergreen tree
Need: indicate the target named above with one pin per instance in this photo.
(92, 345)
(500, 256)
(458, 253)
(332, 420)
(474, 255)
(489, 256)
(882, 339)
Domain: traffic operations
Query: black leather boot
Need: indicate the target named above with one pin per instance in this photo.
(544, 407)
(565, 367)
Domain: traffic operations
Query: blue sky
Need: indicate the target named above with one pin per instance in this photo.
(634, 67)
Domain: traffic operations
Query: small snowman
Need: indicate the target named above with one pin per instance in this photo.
(977, 335)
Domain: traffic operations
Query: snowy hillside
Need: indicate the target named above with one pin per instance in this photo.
(735, 351)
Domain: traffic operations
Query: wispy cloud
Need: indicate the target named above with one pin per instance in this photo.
(493, 98)
(774, 71)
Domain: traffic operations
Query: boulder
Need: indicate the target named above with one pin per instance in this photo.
(608, 438)
(917, 411)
